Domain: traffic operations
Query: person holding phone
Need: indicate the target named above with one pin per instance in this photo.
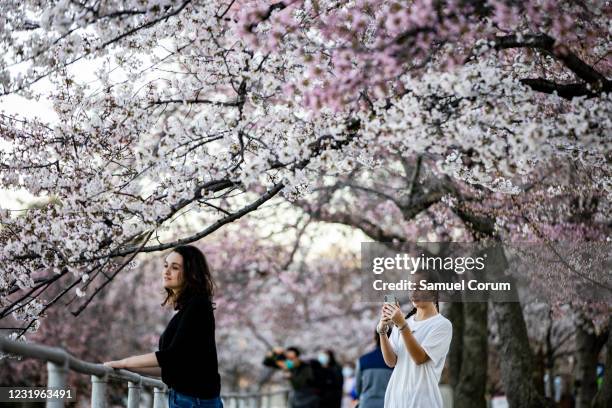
(302, 376)
(187, 355)
(416, 349)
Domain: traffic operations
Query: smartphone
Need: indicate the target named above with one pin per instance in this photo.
(391, 299)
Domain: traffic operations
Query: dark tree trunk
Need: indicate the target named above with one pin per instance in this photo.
(550, 358)
(455, 315)
(470, 390)
(540, 370)
(516, 357)
(603, 398)
(588, 346)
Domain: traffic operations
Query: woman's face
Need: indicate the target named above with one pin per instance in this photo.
(421, 298)
(173, 271)
(421, 303)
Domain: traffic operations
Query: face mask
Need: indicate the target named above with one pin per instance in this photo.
(347, 371)
(289, 364)
(323, 358)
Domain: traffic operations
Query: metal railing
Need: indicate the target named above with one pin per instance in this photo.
(59, 362)
(269, 399)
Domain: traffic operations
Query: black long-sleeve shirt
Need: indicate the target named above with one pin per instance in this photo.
(187, 351)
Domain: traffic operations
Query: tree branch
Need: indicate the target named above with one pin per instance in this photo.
(561, 52)
(566, 91)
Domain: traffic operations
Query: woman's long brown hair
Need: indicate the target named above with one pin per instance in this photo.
(197, 278)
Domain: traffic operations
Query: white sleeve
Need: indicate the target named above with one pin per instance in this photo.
(437, 341)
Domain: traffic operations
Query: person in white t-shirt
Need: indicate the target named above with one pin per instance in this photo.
(416, 348)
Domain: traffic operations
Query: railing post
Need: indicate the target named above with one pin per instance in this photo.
(160, 398)
(98, 391)
(134, 394)
(56, 378)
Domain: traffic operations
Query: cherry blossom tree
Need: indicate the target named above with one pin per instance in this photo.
(411, 200)
(115, 178)
(189, 105)
(217, 107)
(267, 294)
(493, 88)
(110, 328)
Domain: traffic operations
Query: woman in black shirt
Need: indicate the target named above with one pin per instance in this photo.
(187, 355)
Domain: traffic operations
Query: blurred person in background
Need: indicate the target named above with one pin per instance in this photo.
(301, 376)
(332, 381)
(348, 372)
(371, 377)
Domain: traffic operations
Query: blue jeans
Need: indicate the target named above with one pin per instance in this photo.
(179, 400)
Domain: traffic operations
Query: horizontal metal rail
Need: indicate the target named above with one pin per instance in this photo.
(59, 362)
(60, 357)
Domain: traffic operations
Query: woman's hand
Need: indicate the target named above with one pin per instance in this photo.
(383, 323)
(394, 313)
(115, 364)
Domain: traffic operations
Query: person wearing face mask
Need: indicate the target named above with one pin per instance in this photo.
(348, 372)
(305, 393)
(332, 381)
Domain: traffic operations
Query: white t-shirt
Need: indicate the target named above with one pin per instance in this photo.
(412, 385)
